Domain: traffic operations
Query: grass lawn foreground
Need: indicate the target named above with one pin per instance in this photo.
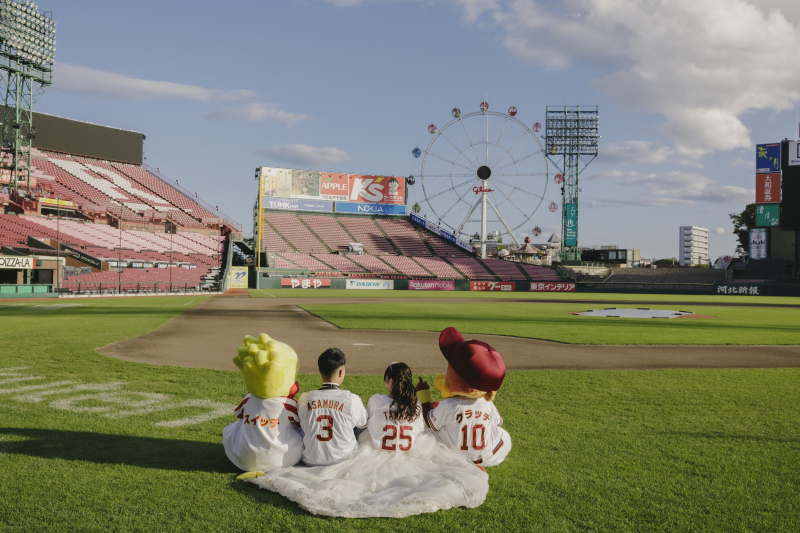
(669, 450)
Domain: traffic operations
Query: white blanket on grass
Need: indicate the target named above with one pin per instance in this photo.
(376, 483)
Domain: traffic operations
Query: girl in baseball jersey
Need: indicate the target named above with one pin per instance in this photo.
(395, 420)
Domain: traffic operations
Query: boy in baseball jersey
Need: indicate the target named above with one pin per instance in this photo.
(466, 420)
(329, 416)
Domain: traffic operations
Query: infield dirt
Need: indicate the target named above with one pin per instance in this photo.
(207, 336)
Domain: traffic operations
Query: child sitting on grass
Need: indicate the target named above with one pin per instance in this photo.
(329, 416)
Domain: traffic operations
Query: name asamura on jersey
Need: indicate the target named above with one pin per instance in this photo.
(387, 434)
(469, 426)
(328, 418)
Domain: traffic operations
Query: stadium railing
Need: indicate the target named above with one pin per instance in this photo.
(130, 287)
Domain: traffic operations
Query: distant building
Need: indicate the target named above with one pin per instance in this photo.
(693, 246)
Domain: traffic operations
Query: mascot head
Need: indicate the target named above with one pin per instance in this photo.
(269, 367)
(474, 369)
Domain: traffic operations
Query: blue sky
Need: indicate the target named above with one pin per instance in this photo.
(685, 89)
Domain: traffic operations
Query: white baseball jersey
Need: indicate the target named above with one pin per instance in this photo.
(388, 434)
(267, 434)
(470, 426)
(328, 418)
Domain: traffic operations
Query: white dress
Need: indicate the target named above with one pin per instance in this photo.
(377, 483)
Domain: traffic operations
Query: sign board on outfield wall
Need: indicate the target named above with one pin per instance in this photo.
(431, 285)
(504, 286)
(296, 204)
(794, 153)
(749, 290)
(768, 188)
(334, 187)
(375, 284)
(238, 277)
(305, 283)
(7, 261)
(549, 286)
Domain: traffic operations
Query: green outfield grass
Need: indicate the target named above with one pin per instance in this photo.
(731, 325)
(671, 450)
(567, 296)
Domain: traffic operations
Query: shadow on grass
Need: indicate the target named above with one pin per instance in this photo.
(100, 448)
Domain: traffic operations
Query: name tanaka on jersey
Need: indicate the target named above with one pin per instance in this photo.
(325, 404)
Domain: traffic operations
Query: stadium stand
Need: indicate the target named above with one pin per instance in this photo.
(470, 267)
(405, 237)
(306, 261)
(295, 232)
(340, 263)
(540, 273)
(406, 266)
(373, 264)
(439, 267)
(688, 276)
(366, 232)
(328, 229)
(505, 269)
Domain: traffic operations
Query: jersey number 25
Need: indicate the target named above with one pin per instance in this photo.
(386, 442)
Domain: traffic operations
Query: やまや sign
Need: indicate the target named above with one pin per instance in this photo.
(305, 283)
(552, 287)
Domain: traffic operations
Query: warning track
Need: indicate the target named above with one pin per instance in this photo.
(207, 336)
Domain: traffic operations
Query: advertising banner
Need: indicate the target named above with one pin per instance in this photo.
(571, 229)
(374, 284)
(440, 232)
(305, 184)
(758, 244)
(54, 201)
(768, 188)
(83, 257)
(305, 283)
(238, 277)
(794, 153)
(296, 204)
(431, 285)
(7, 261)
(549, 286)
(750, 290)
(377, 189)
(503, 286)
(768, 215)
(276, 182)
(768, 157)
(334, 187)
(370, 209)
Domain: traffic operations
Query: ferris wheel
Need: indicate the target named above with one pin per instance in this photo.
(484, 171)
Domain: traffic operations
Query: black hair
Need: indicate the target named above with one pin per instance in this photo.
(394, 180)
(404, 395)
(330, 360)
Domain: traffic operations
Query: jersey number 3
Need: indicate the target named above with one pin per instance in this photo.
(327, 428)
(476, 445)
(386, 442)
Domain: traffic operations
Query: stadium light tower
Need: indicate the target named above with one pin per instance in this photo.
(27, 52)
(572, 143)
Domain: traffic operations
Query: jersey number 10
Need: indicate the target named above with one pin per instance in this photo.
(476, 445)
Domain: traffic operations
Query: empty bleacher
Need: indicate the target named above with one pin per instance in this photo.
(665, 276)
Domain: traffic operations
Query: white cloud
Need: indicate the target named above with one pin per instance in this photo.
(301, 154)
(635, 152)
(671, 188)
(86, 80)
(257, 112)
(741, 162)
(702, 64)
(720, 231)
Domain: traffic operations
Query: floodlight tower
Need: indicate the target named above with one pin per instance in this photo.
(572, 134)
(27, 52)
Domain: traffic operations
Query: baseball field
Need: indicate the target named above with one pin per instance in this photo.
(112, 409)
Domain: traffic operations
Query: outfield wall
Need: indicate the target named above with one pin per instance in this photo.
(733, 289)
